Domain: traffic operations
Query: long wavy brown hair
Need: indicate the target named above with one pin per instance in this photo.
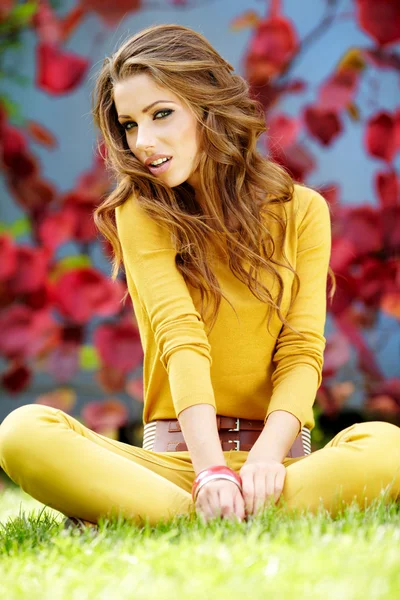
(237, 183)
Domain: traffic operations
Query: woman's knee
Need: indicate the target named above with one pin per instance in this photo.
(384, 455)
(387, 434)
(17, 431)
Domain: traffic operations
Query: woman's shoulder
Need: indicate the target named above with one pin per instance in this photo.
(305, 199)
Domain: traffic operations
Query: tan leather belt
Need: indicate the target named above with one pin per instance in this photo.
(235, 434)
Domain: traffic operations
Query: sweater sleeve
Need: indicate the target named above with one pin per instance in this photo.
(298, 361)
(179, 332)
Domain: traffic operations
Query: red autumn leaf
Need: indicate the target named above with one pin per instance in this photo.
(390, 217)
(104, 415)
(361, 225)
(8, 253)
(343, 254)
(95, 182)
(33, 194)
(380, 19)
(14, 142)
(98, 295)
(380, 136)
(112, 13)
(25, 332)
(339, 90)
(346, 293)
(16, 378)
(324, 125)
(40, 298)
(72, 333)
(297, 159)
(58, 71)
(389, 387)
(271, 48)
(366, 358)
(63, 362)
(119, 345)
(79, 207)
(31, 270)
(41, 135)
(397, 128)
(337, 353)
(46, 24)
(56, 229)
(282, 131)
(111, 379)
(15, 154)
(382, 58)
(382, 405)
(387, 186)
(374, 280)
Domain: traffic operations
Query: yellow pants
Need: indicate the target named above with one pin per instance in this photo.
(80, 473)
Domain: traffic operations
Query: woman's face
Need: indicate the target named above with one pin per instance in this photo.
(157, 122)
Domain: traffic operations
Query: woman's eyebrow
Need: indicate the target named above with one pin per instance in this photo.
(147, 108)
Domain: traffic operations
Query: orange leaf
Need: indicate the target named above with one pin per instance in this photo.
(41, 135)
(390, 304)
(72, 20)
(353, 111)
(352, 59)
(248, 19)
(134, 387)
(61, 398)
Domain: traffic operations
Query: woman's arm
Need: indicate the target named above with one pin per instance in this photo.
(199, 428)
(277, 437)
(178, 330)
(298, 360)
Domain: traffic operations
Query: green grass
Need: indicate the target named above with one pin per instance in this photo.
(354, 556)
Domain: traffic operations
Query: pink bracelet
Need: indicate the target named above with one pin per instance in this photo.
(212, 473)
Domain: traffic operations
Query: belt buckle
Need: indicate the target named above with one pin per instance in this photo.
(236, 442)
(236, 428)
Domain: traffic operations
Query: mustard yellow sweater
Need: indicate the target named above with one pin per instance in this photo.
(239, 368)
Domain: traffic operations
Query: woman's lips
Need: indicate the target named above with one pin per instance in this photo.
(161, 169)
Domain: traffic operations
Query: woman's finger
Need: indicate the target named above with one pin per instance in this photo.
(238, 506)
(270, 487)
(279, 483)
(204, 505)
(225, 503)
(259, 491)
(248, 491)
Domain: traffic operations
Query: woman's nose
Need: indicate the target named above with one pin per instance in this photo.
(144, 140)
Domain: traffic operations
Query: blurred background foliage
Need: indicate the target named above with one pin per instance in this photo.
(327, 74)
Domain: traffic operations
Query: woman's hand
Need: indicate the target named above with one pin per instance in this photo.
(262, 483)
(220, 497)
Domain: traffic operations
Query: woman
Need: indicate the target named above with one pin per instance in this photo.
(201, 220)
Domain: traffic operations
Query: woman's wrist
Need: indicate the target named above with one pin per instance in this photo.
(213, 473)
(199, 427)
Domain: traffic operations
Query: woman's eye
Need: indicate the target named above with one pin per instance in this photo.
(168, 112)
(164, 112)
